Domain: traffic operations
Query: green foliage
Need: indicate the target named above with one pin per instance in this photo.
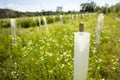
(5, 43)
(88, 7)
(23, 23)
(49, 20)
(26, 23)
(115, 8)
(57, 18)
(42, 22)
(4, 24)
(41, 55)
(104, 62)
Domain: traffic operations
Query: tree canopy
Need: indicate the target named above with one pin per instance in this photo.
(88, 7)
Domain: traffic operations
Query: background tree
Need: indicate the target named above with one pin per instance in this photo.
(115, 8)
(59, 10)
(88, 7)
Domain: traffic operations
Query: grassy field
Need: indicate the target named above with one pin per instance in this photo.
(43, 55)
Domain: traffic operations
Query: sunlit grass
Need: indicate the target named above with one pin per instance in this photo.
(42, 55)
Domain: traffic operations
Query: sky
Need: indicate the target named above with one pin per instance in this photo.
(51, 5)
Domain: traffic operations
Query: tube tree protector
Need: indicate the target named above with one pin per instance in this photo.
(54, 18)
(72, 17)
(81, 55)
(77, 17)
(13, 30)
(39, 20)
(61, 19)
(98, 30)
(45, 22)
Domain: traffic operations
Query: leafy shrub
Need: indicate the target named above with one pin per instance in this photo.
(42, 22)
(57, 18)
(49, 20)
(26, 23)
(4, 24)
(65, 19)
(118, 14)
